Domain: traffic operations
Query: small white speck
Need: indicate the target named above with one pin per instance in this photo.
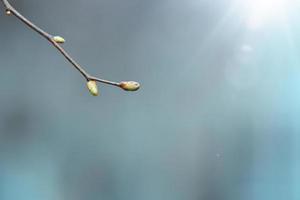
(246, 48)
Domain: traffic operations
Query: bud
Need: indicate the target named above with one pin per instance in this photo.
(59, 39)
(92, 86)
(8, 12)
(129, 85)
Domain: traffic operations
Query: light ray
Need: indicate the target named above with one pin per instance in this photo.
(261, 12)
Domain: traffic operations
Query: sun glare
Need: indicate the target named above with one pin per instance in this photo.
(260, 12)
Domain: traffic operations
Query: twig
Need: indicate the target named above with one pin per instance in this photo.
(10, 10)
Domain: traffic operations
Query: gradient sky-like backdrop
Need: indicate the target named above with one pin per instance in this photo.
(217, 116)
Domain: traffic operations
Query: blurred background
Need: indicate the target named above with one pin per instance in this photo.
(217, 117)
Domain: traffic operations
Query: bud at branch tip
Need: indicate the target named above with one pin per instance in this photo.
(129, 85)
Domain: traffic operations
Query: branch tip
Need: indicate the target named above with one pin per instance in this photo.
(129, 85)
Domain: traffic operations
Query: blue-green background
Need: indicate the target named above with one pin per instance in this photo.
(217, 117)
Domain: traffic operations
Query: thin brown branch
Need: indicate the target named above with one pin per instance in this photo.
(10, 10)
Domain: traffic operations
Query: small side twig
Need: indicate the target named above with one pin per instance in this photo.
(56, 40)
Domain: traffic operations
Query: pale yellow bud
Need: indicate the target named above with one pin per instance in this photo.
(8, 12)
(130, 85)
(92, 86)
(59, 39)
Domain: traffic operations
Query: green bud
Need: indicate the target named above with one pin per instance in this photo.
(59, 39)
(92, 86)
(129, 85)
